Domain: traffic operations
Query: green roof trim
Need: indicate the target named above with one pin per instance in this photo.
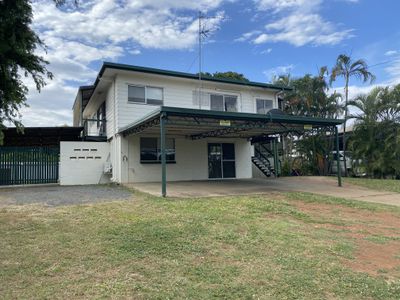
(86, 87)
(222, 115)
(109, 65)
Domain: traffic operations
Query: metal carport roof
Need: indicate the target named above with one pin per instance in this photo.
(198, 123)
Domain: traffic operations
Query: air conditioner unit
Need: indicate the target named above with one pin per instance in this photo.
(107, 168)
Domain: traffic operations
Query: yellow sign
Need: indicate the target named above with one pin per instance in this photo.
(225, 123)
(307, 127)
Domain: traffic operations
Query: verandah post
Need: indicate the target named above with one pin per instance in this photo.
(163, 156)
(339, 171)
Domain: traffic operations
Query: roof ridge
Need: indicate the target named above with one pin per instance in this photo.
(173, 73)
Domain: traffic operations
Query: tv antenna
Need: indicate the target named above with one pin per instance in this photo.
(203, 33)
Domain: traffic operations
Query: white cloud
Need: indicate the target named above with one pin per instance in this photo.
(104, 30)
(248, 35)
(302, 29)
(280, 5)
(296, 22)
(135, 51)
(276, 71)
(112, 22)
(394, 69)
(266, 51)
(391, 52)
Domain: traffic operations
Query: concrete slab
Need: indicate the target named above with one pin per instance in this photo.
(317, 185)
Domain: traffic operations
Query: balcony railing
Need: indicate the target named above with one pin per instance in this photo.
(94, 128)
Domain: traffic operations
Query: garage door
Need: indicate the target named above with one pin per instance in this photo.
(28, 165)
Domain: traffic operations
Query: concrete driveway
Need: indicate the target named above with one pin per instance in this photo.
(317, 185)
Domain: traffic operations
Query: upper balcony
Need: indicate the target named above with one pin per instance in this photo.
(94, 130)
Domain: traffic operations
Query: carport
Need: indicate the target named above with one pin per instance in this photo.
(31, 155)
(198, 124)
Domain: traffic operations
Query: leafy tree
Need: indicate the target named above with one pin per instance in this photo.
(347, 68)
(230, 75)
(376, 136)
(309, 97)
(282, 80)
(18, 43)
(225, 75)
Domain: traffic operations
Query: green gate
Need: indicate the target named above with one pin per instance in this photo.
(28, 165)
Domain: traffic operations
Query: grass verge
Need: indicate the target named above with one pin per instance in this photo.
(263, 247)
(389, 185)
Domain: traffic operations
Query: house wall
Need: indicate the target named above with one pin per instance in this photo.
(76, 110)
(178, 92)
(83, 162)
(191, 161)
(110, 111)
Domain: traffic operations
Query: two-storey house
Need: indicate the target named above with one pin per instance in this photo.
(170, 126)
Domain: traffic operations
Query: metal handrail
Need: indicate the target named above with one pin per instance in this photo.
(100, 130)
(259, 154)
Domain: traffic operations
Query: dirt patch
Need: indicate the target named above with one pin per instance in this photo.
(376, 235)
(376, 259)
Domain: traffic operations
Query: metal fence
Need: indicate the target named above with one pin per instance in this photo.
(28, 165)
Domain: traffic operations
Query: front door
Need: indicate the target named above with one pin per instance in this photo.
(221, 160)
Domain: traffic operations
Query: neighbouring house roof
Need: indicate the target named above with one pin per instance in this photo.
(197, 123)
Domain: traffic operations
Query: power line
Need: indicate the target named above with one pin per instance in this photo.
(192, 63)
(384, 62)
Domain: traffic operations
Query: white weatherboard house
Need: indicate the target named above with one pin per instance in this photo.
(148, 125)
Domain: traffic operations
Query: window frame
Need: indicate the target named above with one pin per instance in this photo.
(158, 161)
(145, 94)
(263, 100)
(224, 102)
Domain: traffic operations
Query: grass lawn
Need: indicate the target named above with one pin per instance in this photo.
(389, 185)
(278, 246)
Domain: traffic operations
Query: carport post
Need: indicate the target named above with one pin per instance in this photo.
(163, 156)
(339, 171)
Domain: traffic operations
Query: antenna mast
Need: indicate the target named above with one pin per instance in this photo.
(200, 95)
(202, 32)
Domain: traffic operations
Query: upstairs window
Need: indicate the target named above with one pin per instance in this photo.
(150, 150)
(145, 95)
(263, 106)
(223, 102)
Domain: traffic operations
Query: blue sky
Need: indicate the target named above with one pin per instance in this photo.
(258, 38)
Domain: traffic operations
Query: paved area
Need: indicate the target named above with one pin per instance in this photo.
(62, 195)
(318, 185)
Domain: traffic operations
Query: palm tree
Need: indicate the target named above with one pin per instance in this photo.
(310, 97)
(346, 68)
(376, 136)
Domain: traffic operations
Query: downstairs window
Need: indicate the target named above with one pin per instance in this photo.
(150, 150)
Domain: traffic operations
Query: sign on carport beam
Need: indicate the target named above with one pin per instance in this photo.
(225, 123)
(307, 127)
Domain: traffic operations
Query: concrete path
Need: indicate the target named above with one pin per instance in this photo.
(317, 185)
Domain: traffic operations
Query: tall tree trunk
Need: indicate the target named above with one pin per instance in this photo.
(344, 124)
